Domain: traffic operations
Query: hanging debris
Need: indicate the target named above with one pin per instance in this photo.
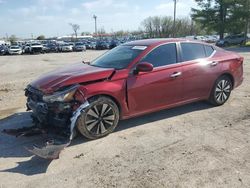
(49, 151)
(52, 149)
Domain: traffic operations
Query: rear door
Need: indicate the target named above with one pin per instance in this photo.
(149, 91)
(200, 70)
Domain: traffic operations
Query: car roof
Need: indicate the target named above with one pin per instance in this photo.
(157, 41)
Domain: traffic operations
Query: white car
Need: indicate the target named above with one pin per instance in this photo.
(15, 50)
(67, 48)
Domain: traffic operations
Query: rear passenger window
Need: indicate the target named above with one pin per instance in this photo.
(209, 50)
(191, 51)
(162, 55)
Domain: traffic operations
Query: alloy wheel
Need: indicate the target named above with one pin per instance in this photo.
(222, 91)
(100, 118)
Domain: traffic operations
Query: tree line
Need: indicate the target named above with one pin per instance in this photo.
(162, 26)
(211, 17)
(223, 16)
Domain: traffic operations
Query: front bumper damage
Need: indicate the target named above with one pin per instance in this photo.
(47, 118)
(52, 150)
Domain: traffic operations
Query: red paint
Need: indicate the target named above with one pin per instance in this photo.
(77, 73)
(146, 92)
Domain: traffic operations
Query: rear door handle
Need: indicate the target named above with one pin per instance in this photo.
(214, 63)
(175, 74)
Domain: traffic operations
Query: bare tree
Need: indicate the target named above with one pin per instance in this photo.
(75, 28)
(166, 26)
(40, 37)
(12, 39)
(163, 27)
(101, 31)
(148, 25)
(156, 21)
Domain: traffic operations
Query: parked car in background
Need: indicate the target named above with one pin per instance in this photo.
(200, 38)
(102, 45)
(92, 45)
(3, 50)
(211, 38)
(48, 48)
(15, 50)
(88, 45)
(65, 47)
(72, 44)
(231, 40)
(79, 46)
(114, 43)
(133, 79)
(33, 48)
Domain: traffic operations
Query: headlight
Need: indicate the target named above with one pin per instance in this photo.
(61, 96)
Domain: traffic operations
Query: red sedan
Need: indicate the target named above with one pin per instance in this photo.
(133, 79)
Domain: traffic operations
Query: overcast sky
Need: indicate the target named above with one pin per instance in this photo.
(52, 17)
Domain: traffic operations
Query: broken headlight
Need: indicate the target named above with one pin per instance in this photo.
(61, 96)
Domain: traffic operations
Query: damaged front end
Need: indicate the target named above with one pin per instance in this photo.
(60, 110)
(55, 109)
(56, 101)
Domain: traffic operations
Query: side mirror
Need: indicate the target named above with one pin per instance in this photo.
(143, 67)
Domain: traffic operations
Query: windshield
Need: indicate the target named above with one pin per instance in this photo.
(14, 47)
(118, 58)
(79, 44)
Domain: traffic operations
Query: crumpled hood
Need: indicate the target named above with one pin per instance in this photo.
(73, 74)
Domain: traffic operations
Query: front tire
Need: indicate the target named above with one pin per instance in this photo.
(99, 119)
(221, 91)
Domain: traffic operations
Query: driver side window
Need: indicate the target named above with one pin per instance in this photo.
(162, 55)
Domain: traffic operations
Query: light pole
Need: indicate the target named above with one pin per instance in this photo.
(175, 1)
(95, 17)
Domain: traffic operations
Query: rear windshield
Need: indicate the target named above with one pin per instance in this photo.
(118, 58)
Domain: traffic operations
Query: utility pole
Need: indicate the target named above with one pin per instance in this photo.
(95, 17)
(247, 21)
(175, 1)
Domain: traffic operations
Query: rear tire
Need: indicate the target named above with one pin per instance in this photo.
(221, 91)
(99, 119)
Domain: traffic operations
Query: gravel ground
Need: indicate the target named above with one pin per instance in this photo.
(195, 145)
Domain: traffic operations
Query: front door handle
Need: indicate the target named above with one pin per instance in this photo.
(214, 63)
(175, 74)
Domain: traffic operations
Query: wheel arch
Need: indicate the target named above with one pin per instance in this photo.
(108, 96)
(230, 76)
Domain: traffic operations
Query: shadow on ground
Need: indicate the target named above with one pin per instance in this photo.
(11, 147)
